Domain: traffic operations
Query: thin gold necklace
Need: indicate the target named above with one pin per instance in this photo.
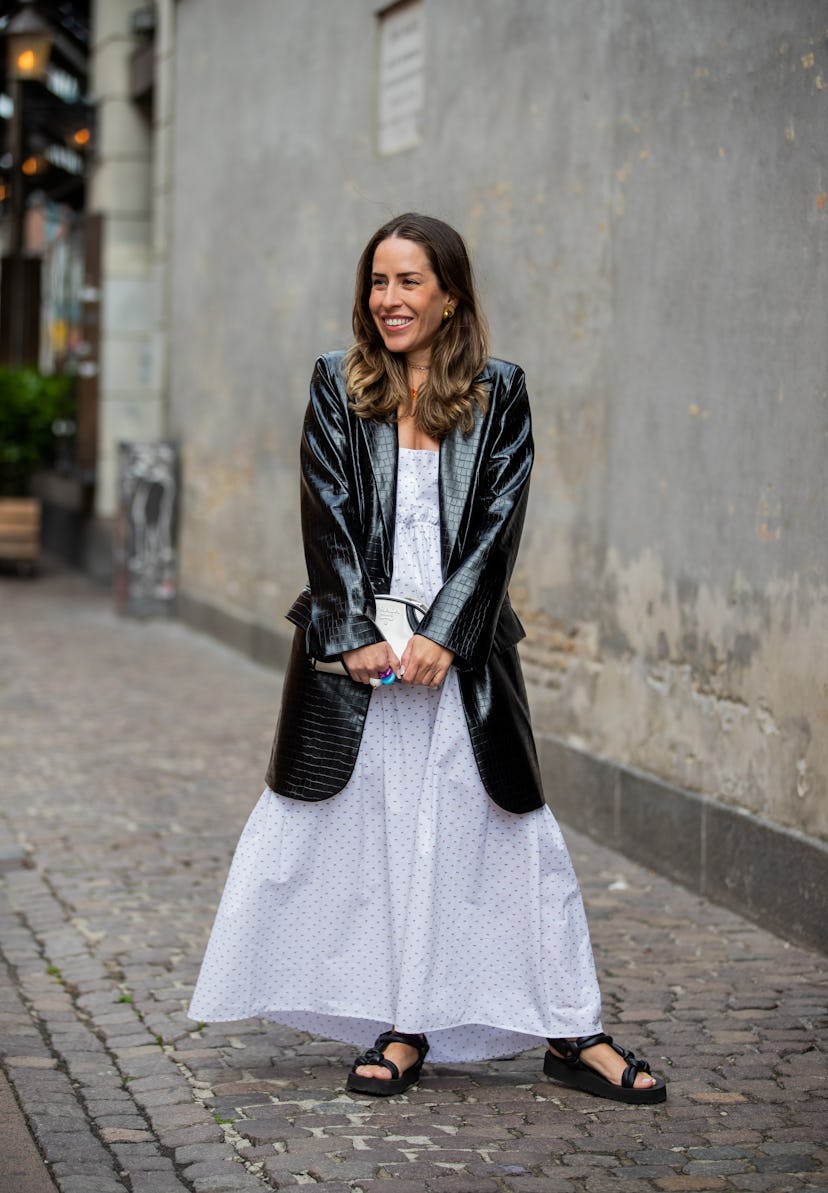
(419, 369)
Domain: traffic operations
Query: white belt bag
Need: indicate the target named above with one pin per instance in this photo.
(396, 618)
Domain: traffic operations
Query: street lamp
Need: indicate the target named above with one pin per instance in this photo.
(28, 46)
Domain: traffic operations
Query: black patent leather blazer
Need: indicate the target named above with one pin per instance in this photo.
(348, 496)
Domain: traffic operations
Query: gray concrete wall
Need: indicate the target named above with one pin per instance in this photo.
(643, 185)
(697, 611)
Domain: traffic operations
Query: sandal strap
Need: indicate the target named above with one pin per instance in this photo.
(373, 1056)
(571, 1050)
(635, 1065)
(400, 1037)
(632, 1070)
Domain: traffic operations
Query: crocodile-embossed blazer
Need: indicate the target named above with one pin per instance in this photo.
(348, 496)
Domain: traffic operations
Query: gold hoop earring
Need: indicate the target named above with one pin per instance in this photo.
(448, 312)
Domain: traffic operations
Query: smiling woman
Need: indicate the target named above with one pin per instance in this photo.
(407, 300)
(409, 306)
(417, 326)
(401, 869)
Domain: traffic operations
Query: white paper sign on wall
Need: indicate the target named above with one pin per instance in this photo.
(401, 82)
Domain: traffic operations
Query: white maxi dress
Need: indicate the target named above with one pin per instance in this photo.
(409, 898)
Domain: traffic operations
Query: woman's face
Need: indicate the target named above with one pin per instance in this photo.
(406, 299)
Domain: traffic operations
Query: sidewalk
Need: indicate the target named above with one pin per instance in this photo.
(131, 756)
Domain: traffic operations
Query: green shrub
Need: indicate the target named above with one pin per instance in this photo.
(29, 404)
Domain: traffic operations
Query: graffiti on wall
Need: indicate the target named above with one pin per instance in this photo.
(147, 520)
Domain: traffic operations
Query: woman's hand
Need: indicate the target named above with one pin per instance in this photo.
(369, 662)
(425, 662)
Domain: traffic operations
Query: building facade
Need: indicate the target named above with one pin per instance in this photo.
(643, 186)
(132, 63)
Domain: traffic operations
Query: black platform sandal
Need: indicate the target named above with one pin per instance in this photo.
(396, 1083)
(569, 1069)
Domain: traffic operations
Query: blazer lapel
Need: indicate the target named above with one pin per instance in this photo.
(458, 475)
(381, 442)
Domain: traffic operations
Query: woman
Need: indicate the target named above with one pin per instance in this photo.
(408, 874)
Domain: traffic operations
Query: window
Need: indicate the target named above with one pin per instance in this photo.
(401, 81)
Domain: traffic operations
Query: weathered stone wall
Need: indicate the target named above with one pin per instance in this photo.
(643, 184)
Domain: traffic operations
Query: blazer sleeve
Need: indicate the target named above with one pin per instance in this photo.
(464, 615)
(342, 599)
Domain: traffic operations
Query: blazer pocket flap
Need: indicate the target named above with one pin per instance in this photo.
(509, 630)
(300, 611)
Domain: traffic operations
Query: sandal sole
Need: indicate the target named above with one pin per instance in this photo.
(379, 1087)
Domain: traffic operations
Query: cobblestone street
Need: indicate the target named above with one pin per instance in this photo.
(131, 756)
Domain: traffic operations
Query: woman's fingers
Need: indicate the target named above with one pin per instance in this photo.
(425, 662)
(370, 662)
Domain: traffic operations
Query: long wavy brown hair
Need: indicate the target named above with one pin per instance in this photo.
(376, 379)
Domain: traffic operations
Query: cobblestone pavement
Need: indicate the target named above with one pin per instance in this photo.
(132, 754)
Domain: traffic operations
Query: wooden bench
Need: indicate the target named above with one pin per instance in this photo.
(20, 528)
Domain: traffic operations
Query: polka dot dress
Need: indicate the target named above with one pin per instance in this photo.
(409, 898)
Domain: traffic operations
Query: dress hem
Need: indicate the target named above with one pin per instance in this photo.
(512, 1043)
